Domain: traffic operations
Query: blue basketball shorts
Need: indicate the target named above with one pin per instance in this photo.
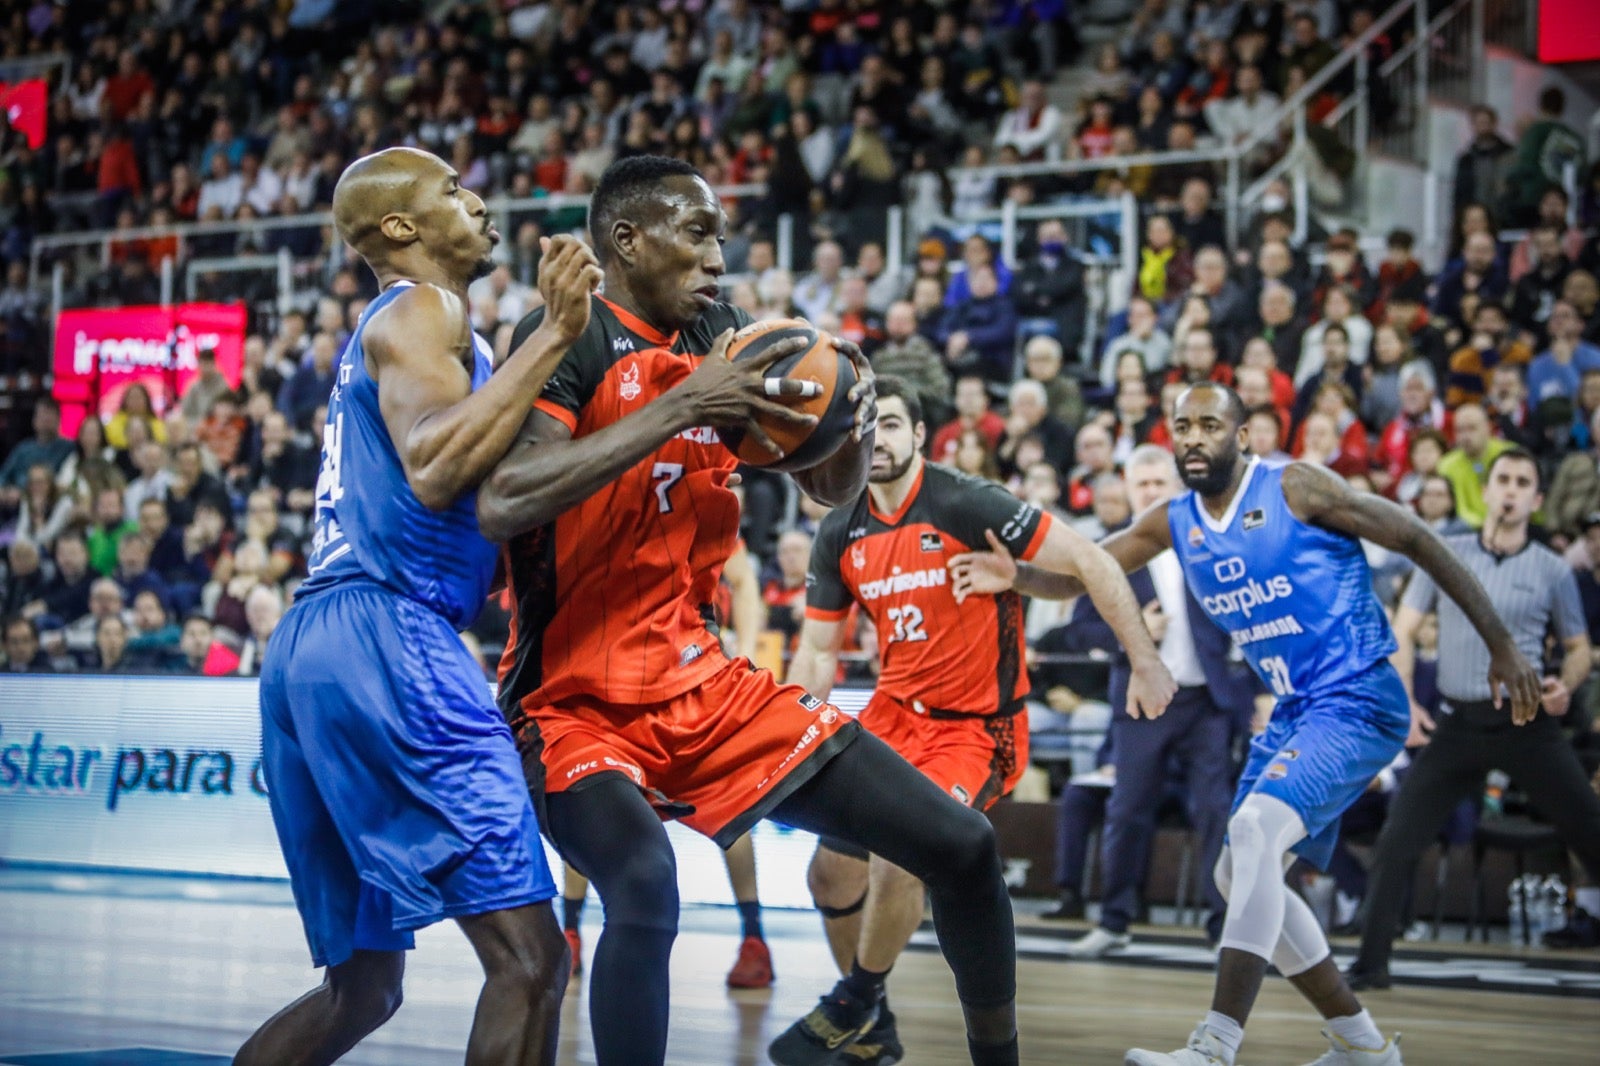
(1322, 750)
(396, 790)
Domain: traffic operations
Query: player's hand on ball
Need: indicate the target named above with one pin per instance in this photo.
(1508, 667)
(568, 275)
(864, 393)
(721, 392)
(1150, 689)
(983, 573)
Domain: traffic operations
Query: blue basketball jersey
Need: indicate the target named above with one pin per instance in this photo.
(1295, 598)
(370, 526)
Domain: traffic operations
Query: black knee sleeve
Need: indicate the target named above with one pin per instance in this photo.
(843, 912)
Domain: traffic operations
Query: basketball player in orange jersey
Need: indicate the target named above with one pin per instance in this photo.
(616, 507)
(950, 689)
(752, 967)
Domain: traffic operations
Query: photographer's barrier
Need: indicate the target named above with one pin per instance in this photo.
(159, 774)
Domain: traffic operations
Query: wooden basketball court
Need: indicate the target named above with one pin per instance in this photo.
(93, 967)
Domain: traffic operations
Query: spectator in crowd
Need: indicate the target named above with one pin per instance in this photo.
(1507, 403)
(1049, 287)
(817, 293)
(24, 654)
(202, 654)
(1547, 148)
(1399, 267)
(972, 413)
(1197, 361)
(192, 485)
(1034, 128)
(1554, 209)
(312, 384)
(133, 571)
(1093, 453)
(1482, 169)
(1267, 432)
(1557, 370)
(1254, 385)
(153, 639)
(885, 283)
(1380, 388)
(44, 512)
(1323, 443)
(1582, 291)
(46, 447)
(979, 333)
(1575, 490)
(1420, 409)
(1280, 327)
(204, 388)
(1143, 338)
(111, 633)
(1338, 308)
(1042, 360)
(908, 355)
(1138, 420)
(1535, 292)
(151, 477)
(1166, 269)
(976, 253)
(1466, 466)
(1224, 297)
(785, 592)
(1245, 113)
(108, 525)
(222, 432)
(1344, 269)
(1491, 345)
(64, 595)
(1030, 418)
(24, 577)
(974, 456)
(1404, 310)
(858, 322)
(1478, 272)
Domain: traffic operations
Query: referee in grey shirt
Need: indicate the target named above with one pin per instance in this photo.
(1534, 593)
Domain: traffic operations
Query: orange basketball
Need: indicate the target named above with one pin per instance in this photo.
(803, 446)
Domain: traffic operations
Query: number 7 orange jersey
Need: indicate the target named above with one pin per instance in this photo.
(937, 655)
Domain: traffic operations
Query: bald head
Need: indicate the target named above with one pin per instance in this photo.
(402, 208)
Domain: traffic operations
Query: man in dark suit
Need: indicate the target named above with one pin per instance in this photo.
(1214, 704)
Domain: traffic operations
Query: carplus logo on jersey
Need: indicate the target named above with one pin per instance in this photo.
(1244, 600)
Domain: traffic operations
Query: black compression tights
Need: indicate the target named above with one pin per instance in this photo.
(867, 795)
(876, 800)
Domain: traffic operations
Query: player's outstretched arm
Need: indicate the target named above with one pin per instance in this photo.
(1067, 551)
(1317, 495)
(841, 478)
(546, 471)
(995, 571)
(449, 437)
(816, 658)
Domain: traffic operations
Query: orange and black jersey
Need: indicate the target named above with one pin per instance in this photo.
(936, 654)
(613, 599)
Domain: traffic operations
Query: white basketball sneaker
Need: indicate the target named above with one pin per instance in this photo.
(1343, 1053)
(1097, 942)
(1203, 1049)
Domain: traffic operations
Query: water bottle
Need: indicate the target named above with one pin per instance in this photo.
(1555, 898)
(1538, 912)
(1515, 894)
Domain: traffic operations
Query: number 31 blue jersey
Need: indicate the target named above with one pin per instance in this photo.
(1295, 598)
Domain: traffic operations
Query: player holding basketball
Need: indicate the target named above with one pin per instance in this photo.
(616, 506)
(1273, 554)
(394, 783)
(949, 695)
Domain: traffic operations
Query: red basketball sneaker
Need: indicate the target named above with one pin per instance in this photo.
(753, 968)
(575, 942)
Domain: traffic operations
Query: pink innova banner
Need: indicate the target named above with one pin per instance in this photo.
(100, 353)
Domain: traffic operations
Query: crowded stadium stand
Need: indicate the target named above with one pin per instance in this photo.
(1379, 222)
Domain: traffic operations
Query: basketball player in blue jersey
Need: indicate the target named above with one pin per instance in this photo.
(1273, 553)
(395, 787)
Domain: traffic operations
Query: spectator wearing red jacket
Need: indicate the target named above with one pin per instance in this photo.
(972, 412)
(1420, 409)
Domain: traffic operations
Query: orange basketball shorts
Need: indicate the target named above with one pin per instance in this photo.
(718, 758)
(975, 759)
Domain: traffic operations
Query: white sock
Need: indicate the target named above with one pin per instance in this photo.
(1588, 898)
(1359, 1031)
(1229, 1033)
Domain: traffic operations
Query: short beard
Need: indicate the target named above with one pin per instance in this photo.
(894, 473)
(1216, 478)
(482, 268)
